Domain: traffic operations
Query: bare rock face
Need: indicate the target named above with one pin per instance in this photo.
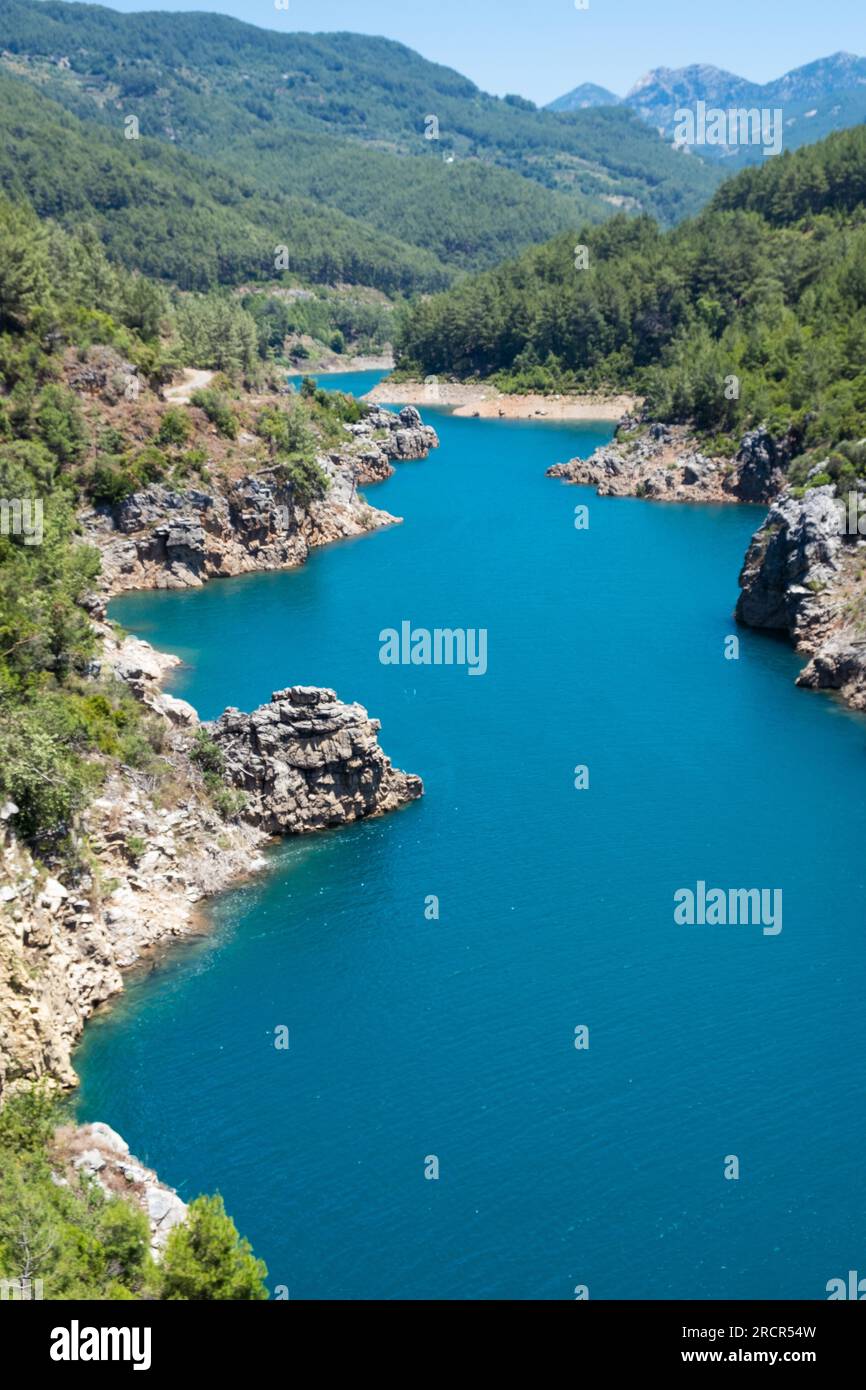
(840, 665)
(762, 461)
(159, 538)
(664, 463)
(306, 761)
(386, 438)
(802, 576)
(64, 946)
(792, 560)
(167, 539)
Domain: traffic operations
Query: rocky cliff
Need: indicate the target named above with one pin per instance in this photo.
(803, 575)
(164, 538)
(305, 761)
(65, 941)
(99, 1152)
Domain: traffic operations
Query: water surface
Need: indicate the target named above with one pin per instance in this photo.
(454, 1038)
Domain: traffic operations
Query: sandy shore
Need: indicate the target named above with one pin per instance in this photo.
(486, 403)
(333, 366)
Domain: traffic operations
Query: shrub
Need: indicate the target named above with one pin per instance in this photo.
(207, 755)
(175, 428)
(307, 480)
(206, 1259)
(60, 424)
(217, 410)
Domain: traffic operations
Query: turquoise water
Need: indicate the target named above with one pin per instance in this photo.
(355, 383)
(455, 1037)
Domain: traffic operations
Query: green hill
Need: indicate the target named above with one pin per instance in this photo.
(181, 218)
(767, 285)
(342, 119)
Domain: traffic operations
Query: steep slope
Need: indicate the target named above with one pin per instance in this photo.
(179, 217)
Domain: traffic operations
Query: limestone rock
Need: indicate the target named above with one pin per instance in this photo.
(664, 463)
(306, 761)
(802, 576)
(793, 557)
(164, 538)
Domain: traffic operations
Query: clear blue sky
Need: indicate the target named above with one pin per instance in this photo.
(542, 48)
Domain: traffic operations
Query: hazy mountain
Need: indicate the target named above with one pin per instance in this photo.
(827, 95)
(584, 96)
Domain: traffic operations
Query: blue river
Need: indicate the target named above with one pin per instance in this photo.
(560, 1167)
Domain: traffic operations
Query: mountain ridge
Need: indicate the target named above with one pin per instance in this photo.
(837, 83)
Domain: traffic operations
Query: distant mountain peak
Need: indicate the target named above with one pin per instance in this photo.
(819, 97)
(586, 95)
(696, 73)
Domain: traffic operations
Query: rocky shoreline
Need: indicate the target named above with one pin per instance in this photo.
(301, 763)
(164, 538)
(99, 1152)
(803, 575)
(664, 463)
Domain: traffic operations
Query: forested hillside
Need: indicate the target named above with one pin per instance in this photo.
(343, 119)
(76, 333)
(768, 286)
(178, 217)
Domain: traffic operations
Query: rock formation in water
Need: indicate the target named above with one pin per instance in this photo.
(664, 463)
(305, 762)
(803, 576)
(385, 438)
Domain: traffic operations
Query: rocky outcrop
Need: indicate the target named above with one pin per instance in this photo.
(160, 538)
(802, 576)
(103, 1156)
(761, 465)
(143, 669)
(164, 538)
(385, 438)
(306, 762)
(793, 559)
(664, 463)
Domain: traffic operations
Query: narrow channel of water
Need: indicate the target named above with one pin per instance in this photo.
(455, 1037)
